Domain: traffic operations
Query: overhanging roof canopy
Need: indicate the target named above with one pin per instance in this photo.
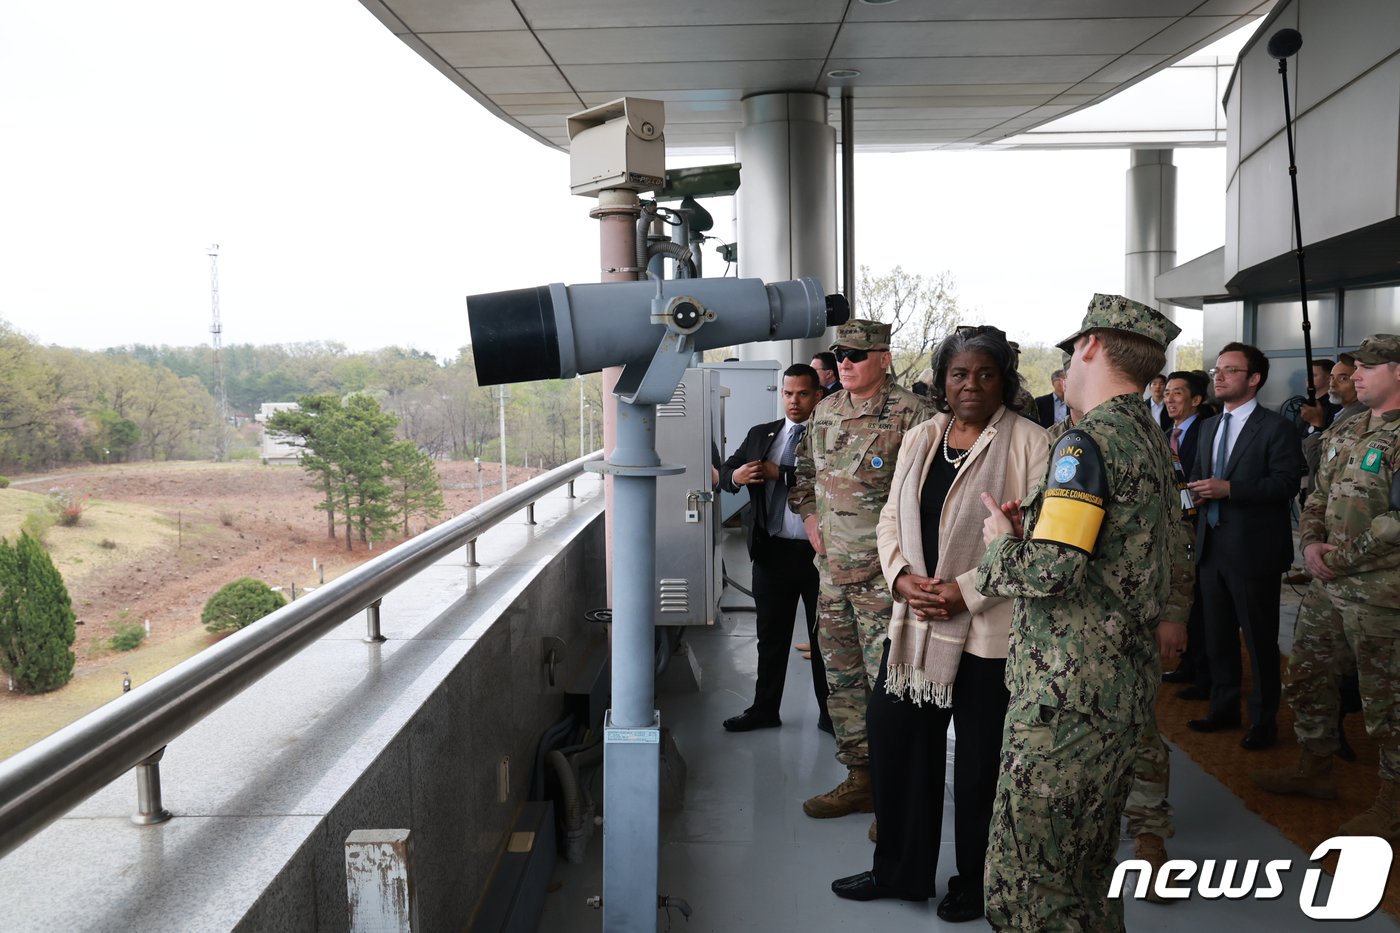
(945, 74)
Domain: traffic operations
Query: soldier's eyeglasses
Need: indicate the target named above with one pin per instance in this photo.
(1225, 370)
(855, 356)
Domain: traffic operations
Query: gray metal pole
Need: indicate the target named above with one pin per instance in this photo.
(148, 806)
(632, 737)
(848, 199)
(503, 396)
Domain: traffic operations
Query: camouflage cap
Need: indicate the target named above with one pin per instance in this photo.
(863, 335)
(1378, 348)
(1118, 313)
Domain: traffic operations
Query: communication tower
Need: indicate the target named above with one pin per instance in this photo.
(216, 329)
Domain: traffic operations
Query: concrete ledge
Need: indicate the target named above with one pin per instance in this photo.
(344, 736)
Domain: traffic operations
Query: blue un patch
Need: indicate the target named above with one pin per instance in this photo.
(1065, 468)
(876, 462)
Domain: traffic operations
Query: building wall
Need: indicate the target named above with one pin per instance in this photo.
(1345, 88)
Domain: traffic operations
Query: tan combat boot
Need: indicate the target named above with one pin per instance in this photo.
(1382, 819)
(1152, 849)
(1310, 777)
(852, 795)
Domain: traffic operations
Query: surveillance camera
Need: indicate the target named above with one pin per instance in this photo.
(559, 331)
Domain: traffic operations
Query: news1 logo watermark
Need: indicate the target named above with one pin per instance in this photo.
(1358, 884)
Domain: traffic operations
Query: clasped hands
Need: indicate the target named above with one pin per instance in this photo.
(755, 472)
(929, 598)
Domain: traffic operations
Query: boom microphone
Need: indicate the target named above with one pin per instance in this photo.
(1285, 43)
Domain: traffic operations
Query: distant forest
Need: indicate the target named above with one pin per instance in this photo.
(61, 406)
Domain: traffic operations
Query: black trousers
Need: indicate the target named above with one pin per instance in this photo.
(908, 762)
(784, 574)
(1236, 602)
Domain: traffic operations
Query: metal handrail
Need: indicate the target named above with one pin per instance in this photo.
(43, 782)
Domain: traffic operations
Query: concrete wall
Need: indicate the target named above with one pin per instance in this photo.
(342, 736)
(438, 776)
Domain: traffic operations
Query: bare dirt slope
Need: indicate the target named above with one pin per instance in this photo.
(157, 540)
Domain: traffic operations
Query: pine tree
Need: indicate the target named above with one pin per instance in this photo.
(36, 618)
(414, 482)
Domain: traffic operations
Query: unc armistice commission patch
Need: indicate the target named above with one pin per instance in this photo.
(1076, 493)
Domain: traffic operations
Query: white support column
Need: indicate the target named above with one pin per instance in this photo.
(787, 203)
(1150, 243)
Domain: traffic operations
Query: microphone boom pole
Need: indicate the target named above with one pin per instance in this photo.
(1283, 45)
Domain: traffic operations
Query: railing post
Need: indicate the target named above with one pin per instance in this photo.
(471, 553)
(148, 809)
(571, 490)
(373, 635)
(530, 514)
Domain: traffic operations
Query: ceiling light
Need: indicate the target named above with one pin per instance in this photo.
(843, 73)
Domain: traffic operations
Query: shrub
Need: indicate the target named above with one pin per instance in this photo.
(108, 544)
(226, 517)
(129, 635)
(4, 482)
(67, 506)
(240, 603)
(36, 618)
(37, 525)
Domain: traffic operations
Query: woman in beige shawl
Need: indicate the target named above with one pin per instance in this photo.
(946, 654)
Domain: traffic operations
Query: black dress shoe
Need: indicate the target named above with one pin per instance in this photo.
(1213, 723)
(1193, 693)
(1182, 675)
(960, 904)
(862, 887)
(748, 720)
(1264, 735)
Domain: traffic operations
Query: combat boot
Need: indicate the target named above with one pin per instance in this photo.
(1152, 849)
(1310, 777)
(852, 795)
(1382, 819)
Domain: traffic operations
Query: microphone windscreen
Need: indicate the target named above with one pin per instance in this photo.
(1285, 43)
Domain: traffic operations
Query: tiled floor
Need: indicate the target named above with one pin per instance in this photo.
(744, 857)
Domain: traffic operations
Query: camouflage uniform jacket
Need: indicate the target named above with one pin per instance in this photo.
(845, 464)
(1083, 625)
(1352, 508)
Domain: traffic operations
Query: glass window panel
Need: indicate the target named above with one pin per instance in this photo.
(1221, 324)
(1370, 311)
(1278, 325)
(1286, 379)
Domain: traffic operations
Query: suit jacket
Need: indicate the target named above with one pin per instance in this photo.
(1187, 445)
(1255, 533)
(1045, 409)
(755, 447)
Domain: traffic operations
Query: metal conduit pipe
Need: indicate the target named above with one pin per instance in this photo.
(685, 259)
(644, 219)
(41, 783)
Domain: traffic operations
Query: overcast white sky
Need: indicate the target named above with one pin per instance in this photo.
(358, 196)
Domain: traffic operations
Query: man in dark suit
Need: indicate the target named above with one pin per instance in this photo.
(1248, 465)
(825, 365)
(783, 567)
(1184, 394)
(1157, 401)
(1050, 408)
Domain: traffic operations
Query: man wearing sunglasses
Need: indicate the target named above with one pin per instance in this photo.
(844, 467)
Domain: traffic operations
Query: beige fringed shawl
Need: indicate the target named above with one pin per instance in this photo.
(924, 655)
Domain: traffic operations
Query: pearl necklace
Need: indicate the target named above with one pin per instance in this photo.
(957, 461)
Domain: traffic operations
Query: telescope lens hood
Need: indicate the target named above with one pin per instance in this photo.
(838, 310)
(514, 336)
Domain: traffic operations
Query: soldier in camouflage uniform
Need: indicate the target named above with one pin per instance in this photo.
(1103, 556)
(1025, 402)
(844, 467)
(1350, 536)
(1148, 811)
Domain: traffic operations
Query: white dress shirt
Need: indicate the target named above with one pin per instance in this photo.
(792, 522)
(1238, 416)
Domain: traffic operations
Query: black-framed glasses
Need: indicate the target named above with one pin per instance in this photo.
(1226, 371)
(855, 356)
